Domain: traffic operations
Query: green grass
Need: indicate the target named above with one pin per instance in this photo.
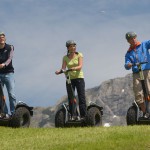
(96, 138)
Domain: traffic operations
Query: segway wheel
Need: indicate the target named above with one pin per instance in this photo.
(21, 118)
(94, 117)
(60, 119)
(131, 117)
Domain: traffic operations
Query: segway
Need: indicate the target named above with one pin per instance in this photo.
(68, 114)
(134, 114)
(21, 116)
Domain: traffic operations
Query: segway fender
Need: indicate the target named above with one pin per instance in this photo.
(92, 104)
(22, 104)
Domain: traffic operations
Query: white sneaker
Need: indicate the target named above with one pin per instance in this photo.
(146, 115)
(7, 116)
(2, 116)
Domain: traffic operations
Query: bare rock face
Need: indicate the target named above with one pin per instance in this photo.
(114, 95)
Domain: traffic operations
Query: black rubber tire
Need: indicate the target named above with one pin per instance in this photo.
(60, 118)
(21, 118)
(131, 117)
(94, 117)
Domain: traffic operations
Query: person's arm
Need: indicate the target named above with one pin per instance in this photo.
(128, 63)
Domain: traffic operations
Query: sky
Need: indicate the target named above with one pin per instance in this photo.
(39, 29)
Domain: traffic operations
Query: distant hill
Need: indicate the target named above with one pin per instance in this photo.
(114, 95)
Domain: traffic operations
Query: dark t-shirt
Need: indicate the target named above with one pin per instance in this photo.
(6, 55)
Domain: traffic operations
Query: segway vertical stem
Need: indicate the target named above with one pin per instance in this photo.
(71, 95)
(145, 92)
(2, 99)
(72, 100)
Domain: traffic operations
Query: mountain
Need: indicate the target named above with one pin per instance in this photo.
(114, 95)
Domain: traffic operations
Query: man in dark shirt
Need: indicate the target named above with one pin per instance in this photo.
(7, 71)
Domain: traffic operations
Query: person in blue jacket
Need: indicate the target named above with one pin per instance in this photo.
(138, 52)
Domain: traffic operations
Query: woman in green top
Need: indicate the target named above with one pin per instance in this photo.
(74, 60)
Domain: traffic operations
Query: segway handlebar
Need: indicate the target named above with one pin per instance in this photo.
(65, 71)
(140, 63)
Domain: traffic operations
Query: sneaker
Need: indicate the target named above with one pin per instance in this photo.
(146, 115)
(2, 116)
(78, 118)
(83, 119)
(7, 116)
(74, 118)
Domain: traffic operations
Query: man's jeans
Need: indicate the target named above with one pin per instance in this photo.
(8, 80)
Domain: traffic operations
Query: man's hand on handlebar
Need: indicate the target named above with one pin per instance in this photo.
(129, 65)
(136, 64)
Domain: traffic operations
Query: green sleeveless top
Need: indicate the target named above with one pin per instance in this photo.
(74, 63)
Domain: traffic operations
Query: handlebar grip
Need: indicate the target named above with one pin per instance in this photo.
(144, 62)
(140, 63)
(65, 71)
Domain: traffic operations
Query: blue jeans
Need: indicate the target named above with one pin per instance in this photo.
(8, 80)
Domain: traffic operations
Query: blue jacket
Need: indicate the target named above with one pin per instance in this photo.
(141, 54)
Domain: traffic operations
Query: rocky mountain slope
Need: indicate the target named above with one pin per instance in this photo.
(114, 95)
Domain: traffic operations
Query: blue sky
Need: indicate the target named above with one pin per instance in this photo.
(38, 29)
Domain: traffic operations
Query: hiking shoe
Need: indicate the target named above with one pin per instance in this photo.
(73, 118)
(83, 119)
(146, 115)
(2, 116)
(7, 116)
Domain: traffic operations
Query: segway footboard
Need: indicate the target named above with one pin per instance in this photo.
(63, 118)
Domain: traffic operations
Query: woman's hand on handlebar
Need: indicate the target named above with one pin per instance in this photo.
(57, 72)
(60, 71)
(63, 71)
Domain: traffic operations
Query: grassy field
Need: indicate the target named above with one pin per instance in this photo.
(96, 138)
